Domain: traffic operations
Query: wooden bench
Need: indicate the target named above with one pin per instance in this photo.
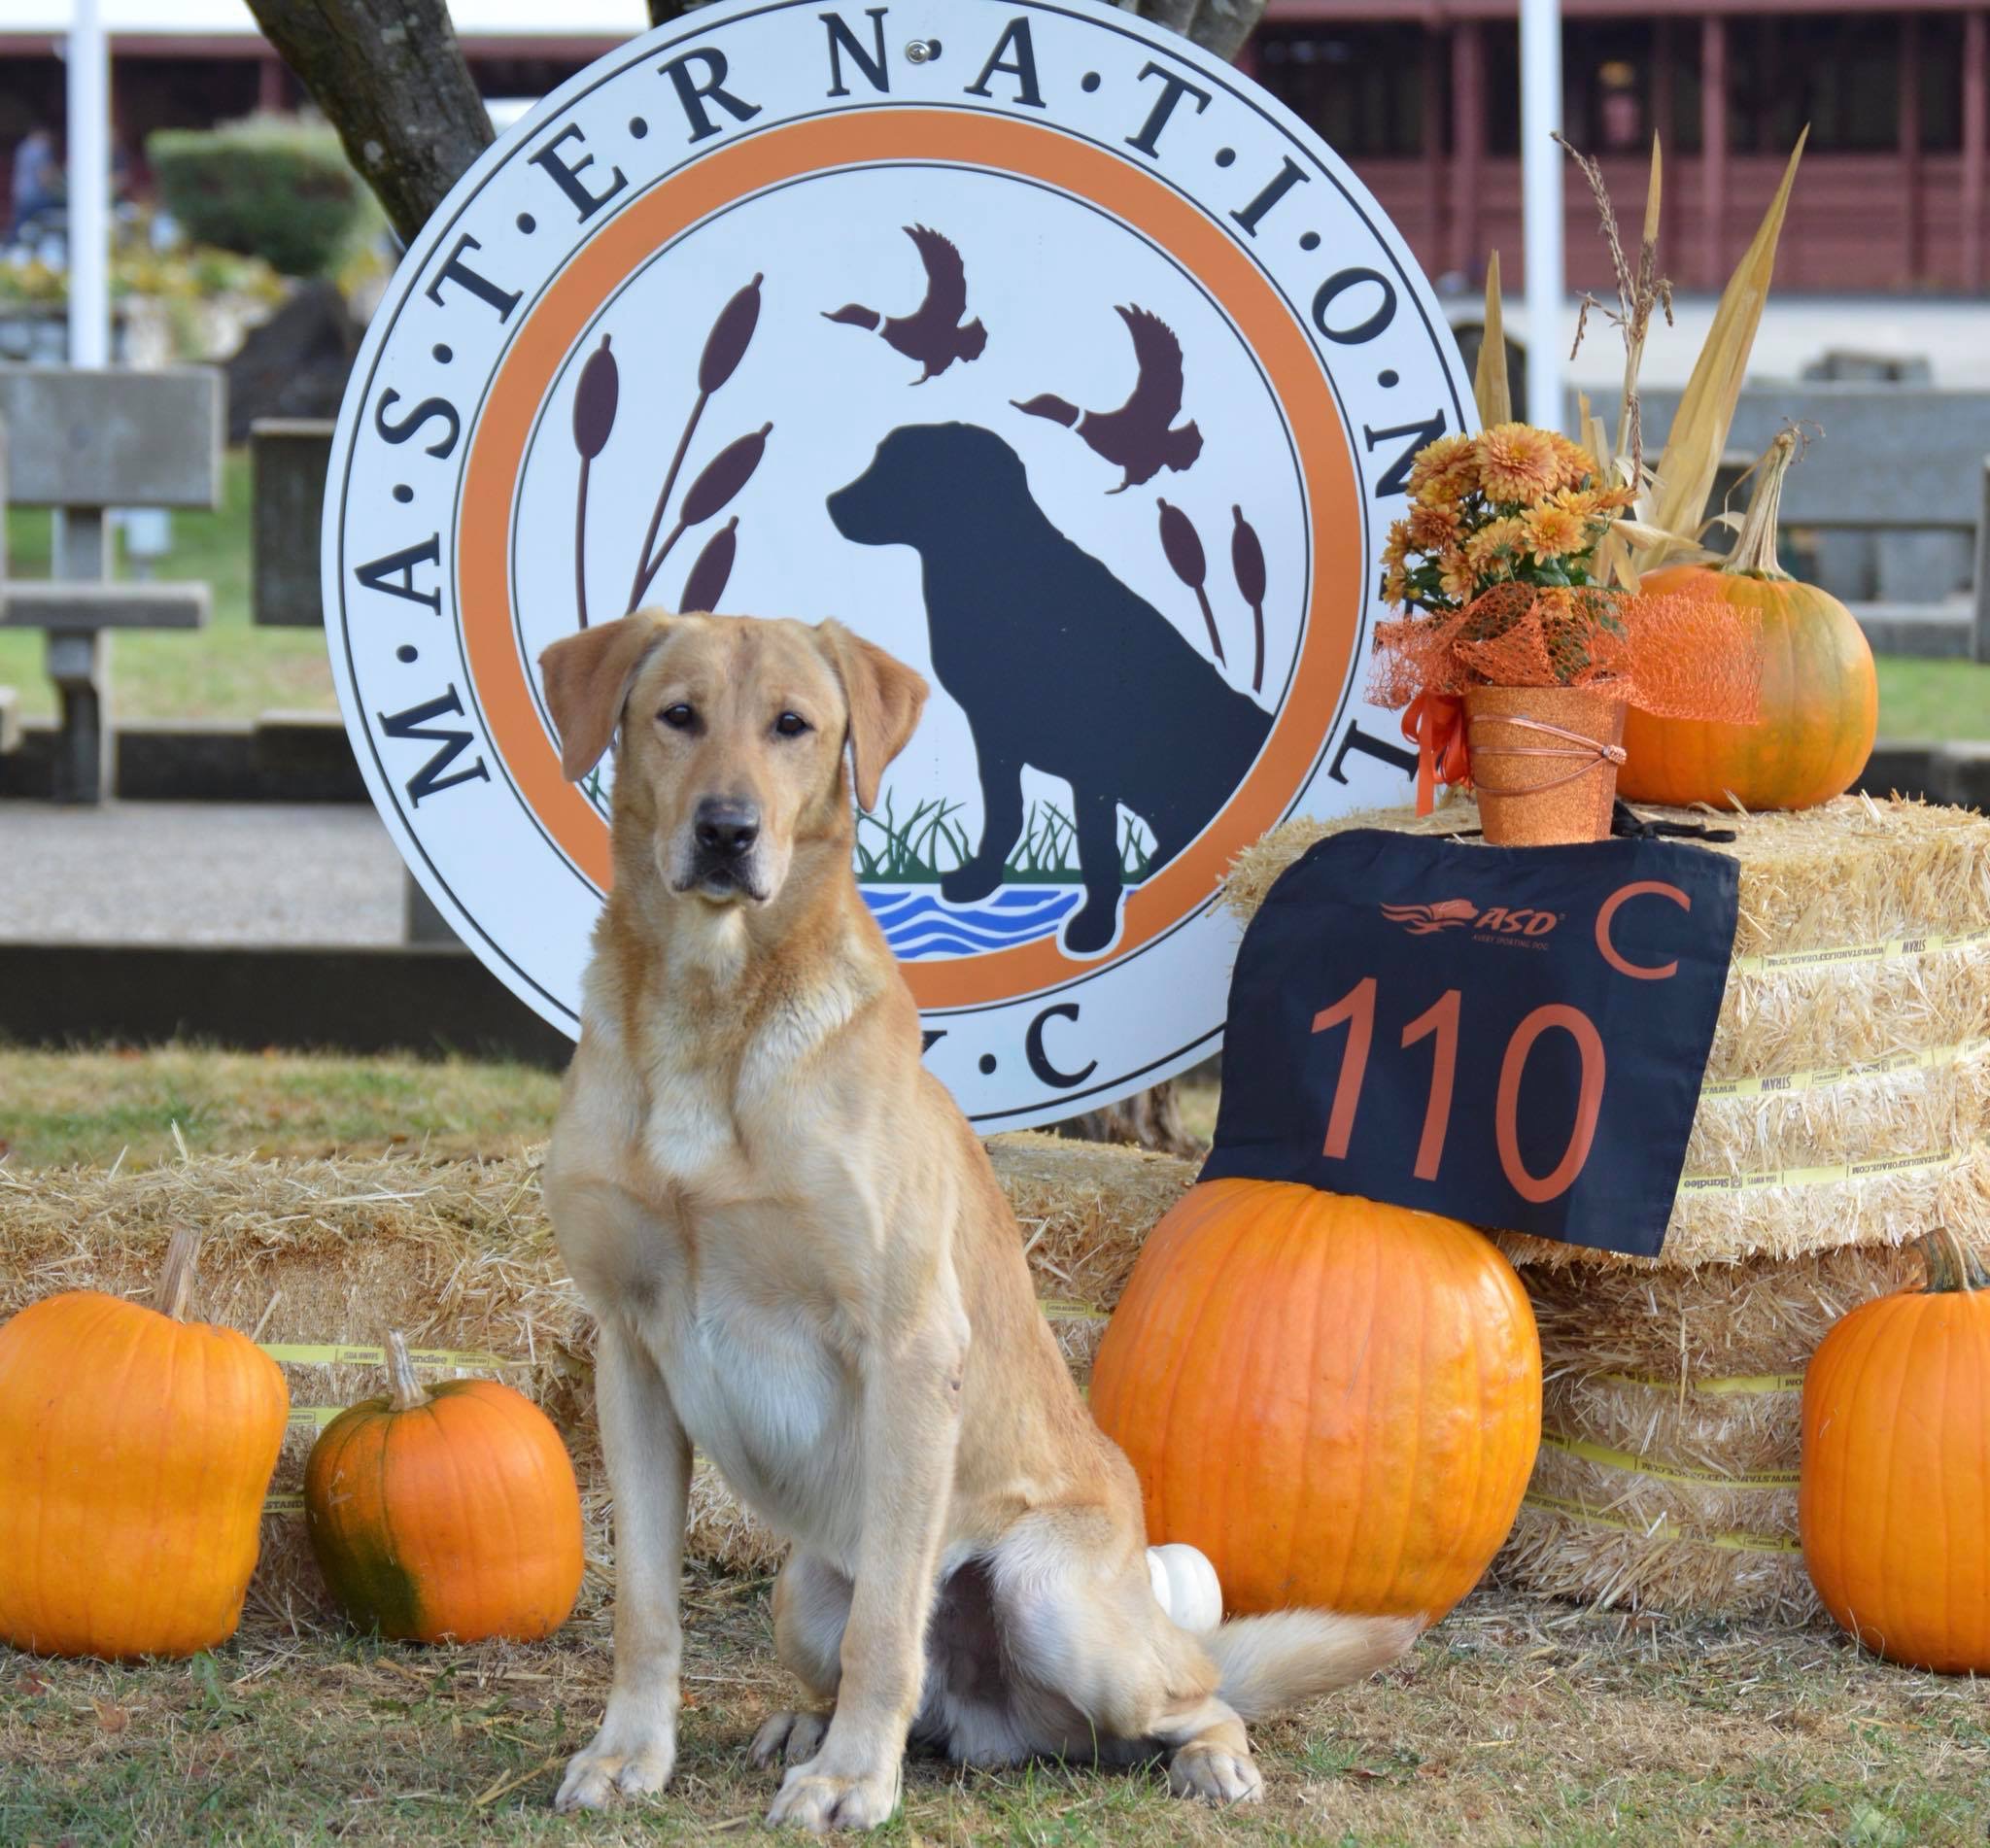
(1893, 459)
(80, 442)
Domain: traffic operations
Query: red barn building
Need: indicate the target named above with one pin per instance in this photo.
(1422, 97)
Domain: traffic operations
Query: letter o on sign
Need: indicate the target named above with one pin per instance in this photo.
(1589, 1101)
(1638, 888)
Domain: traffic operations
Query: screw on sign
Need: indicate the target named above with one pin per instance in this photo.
(1004, 341)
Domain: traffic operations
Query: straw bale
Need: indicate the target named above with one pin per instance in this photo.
(1852, 871)
(1592, 1559)
(1713, 1506)
(1762, 1317)
(1748, 1429)
(1864, 1115)
(460, 1257)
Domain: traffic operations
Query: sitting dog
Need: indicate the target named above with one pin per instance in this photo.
(799, 1262)
(1055, 663)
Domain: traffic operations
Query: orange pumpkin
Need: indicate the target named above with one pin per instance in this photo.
(1338, 1402)
(448, 1512)
(1893, 1504)
(1820, 696)
(135, 1450)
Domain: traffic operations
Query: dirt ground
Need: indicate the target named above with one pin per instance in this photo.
(1516, 1722)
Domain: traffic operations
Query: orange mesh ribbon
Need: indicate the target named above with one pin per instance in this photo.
(1435, 724)
(1677, 656)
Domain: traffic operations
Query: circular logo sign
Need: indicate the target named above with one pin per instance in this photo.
(1027, 340)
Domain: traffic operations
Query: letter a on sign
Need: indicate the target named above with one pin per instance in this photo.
(1040, 346)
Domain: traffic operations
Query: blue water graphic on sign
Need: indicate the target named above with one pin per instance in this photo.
(918, 922)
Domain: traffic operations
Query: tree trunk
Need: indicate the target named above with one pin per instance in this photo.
(390, 76)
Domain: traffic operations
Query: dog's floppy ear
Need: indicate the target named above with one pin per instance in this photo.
(885, 698)
(587, 678)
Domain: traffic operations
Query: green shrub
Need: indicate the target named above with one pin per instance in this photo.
(267, 186)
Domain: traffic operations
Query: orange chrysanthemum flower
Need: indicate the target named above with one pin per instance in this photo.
(1433, 527)
(1518, 463)
(1455, 577)
(1449, 465)
(1395, 549)
(1576, 464)
(1554, 532)
(1396, 587)
(1503, 535)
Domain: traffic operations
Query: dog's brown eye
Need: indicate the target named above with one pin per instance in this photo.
(678, 717)
(791, 725)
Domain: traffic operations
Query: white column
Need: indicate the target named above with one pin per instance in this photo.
(89, 139)
(1540, 115)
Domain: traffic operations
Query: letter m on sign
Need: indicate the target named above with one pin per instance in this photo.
(417, 722)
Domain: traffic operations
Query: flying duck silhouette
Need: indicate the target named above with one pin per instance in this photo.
(934, 333)
(1136, 437)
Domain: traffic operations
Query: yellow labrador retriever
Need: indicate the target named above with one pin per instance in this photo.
(801, 1262)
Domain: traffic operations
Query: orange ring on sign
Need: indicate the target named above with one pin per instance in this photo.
(546, 337)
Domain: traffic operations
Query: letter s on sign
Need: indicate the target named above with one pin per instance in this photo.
(1638, 971)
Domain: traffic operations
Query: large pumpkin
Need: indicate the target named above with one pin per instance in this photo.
(1338, 1402)
(445, 1513)
(135, 1450)
(1820, 696)
(1894, 1505)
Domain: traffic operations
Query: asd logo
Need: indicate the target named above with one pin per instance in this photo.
(1023, 337)
(1449, 914)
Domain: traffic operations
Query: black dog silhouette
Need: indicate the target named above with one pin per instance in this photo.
(1055, 663)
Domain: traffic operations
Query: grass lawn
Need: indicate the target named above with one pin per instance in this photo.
(229, 671)
(1516, 1721)
(58, 1108)
(235, 671)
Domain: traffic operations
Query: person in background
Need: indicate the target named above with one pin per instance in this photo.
(37, 180)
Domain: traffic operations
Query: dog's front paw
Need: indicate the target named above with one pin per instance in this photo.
(1093, 925)
(969, 883)
(788, 1738)
(819, 1801)
(617, 1763)
(1215, 1776)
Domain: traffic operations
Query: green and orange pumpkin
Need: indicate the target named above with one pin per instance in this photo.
(445, 1513)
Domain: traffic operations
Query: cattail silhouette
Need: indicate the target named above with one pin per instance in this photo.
(707, 583)
(1183, 546)
(725, 346)
(719, 481)
(594, 423)
(731, 335)
(721, 478)
(1246, 564)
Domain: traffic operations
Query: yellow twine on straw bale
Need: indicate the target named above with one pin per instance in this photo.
(1662, 1530)
(1606, 1459)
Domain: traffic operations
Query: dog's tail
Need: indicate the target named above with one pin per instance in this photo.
(1274, 1663)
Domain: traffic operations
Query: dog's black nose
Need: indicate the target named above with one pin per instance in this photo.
(726, 828)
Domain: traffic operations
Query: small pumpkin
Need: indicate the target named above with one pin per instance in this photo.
(447, 1511)
(1892, 1502)
(135, 1450)
(1337, 1401)
(1820, 694)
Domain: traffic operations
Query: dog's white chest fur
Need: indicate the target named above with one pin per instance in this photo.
(763, 1393)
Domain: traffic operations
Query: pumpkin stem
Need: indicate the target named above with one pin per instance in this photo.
(405, 1392)
(1952, 1265)
(1755, 548)
(176, 1276)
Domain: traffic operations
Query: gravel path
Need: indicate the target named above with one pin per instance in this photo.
(197, 872)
